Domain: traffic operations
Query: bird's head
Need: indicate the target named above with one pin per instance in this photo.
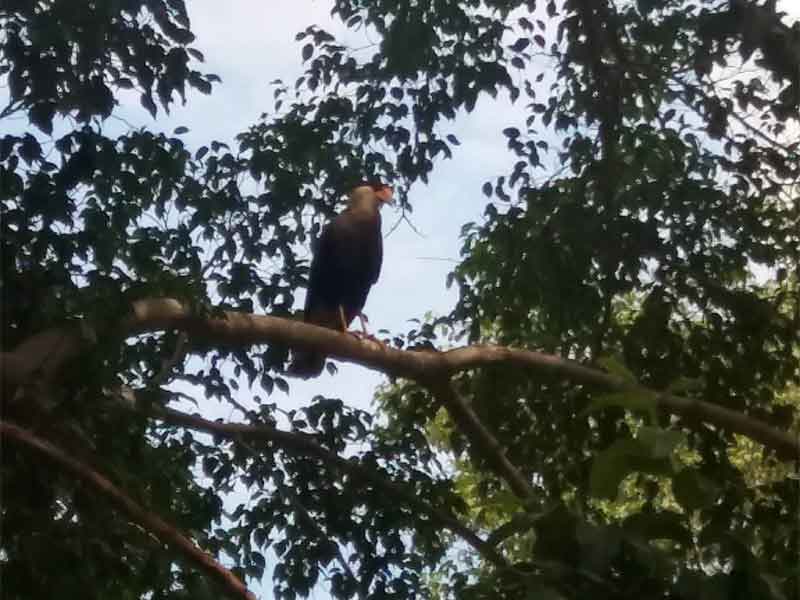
(372, 194)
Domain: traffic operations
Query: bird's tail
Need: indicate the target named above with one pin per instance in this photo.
(306, 364)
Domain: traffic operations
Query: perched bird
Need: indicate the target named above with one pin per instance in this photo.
(347, 261)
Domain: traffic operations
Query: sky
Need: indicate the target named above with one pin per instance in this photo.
(249, 43)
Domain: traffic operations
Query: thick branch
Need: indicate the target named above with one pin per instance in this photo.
(152, 523)
(303, 445)
(241, 329)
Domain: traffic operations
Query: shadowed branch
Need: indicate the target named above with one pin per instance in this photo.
(165, 532)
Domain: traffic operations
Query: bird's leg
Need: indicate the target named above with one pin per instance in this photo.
(343, 323)
(363, 320)
(366, 334)
(361, 335)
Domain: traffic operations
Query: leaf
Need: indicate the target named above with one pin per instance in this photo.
(661, 443)
(664, 525)
(268, 383)
(146, 100)
(41, 114)
(775, 585)
(615, 367)
(686, 384)
(520, 44)
(30, 150)
(511, 132)
(614, 464)
(181, 130)
(599, 545)
(282, 385)
(632, 400)
(693, 490)
(453, 140)
(308, 50)
(196, 54)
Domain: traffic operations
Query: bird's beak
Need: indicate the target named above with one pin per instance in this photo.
(385, 194)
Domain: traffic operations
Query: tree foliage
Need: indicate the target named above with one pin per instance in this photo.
(649, 227)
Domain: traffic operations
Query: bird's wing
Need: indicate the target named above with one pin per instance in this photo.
(323, 265)
(347, 261)
(376, 251)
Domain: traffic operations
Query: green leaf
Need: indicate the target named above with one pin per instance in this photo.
(661, 443)
(615, 463)
(686, 384)
(666, 525)
(693, 490)
(615, 367)
(639, 400)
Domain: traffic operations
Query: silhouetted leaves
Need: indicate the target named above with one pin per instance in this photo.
(635, 212)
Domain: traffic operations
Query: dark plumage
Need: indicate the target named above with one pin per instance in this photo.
(347, 262)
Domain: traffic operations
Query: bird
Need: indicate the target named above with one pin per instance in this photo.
(346, 263)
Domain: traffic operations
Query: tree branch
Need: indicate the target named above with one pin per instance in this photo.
(481, 438)
(304, 445)
(241, 329)
(167, 534)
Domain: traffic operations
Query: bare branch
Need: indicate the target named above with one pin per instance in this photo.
(162, 530)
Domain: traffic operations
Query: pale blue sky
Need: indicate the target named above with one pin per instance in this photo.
(249, 44)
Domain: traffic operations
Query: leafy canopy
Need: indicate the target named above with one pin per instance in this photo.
(649, 227)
